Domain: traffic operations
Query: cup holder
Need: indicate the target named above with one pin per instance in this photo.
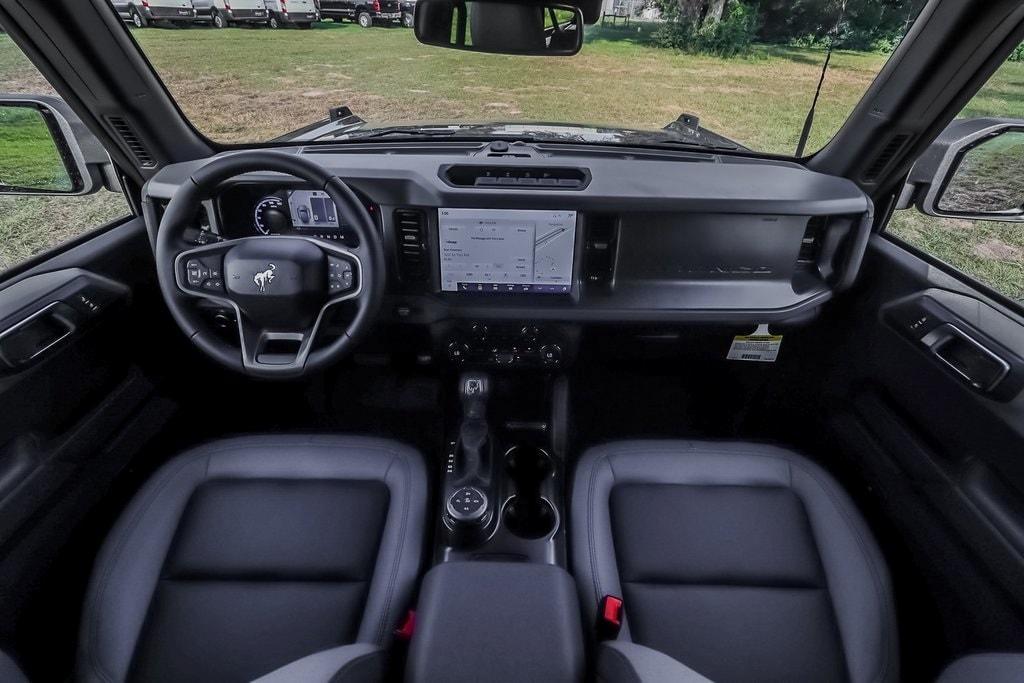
(529, 518)
(527, 514)
(528, 466)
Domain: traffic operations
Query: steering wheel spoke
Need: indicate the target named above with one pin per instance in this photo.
(273, 350)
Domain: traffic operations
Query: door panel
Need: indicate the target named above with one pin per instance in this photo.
(71, 419)
(943, 455)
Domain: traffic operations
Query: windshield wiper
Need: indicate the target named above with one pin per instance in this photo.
(412, 132)
(441, 132)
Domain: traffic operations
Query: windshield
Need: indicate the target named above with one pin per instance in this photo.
(746, 73)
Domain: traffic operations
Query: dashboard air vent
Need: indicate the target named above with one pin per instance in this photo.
(127, 134)
(599, 249)
(885, 157)
(411, 233)
(516, 177)
(810, 245)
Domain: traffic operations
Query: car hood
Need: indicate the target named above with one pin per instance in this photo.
(345, 126)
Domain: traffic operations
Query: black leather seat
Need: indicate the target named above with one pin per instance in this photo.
(743, 562)
(244, 555)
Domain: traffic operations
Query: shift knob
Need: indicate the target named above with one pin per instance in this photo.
(474, 389)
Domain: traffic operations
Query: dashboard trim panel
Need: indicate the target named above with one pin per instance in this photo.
(645, 191)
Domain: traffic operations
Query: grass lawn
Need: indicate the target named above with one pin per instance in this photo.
(990, 251)
(245, 84)
(30, 158)
(249, 84)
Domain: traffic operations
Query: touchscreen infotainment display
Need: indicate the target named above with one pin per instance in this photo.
(506, 252)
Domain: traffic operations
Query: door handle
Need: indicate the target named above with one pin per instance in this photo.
(31, 337)
(969, 359)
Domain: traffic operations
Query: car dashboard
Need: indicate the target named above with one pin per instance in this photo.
(528, 234)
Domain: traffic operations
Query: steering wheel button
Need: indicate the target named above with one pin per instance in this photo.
(194, 272)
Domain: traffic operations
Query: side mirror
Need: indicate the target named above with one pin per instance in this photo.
(511, 28)
(974, 170)
(47, 150)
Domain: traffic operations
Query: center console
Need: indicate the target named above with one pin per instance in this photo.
(499, 588)
(503, 473)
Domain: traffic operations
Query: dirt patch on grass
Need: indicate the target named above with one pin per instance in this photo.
(998, 250)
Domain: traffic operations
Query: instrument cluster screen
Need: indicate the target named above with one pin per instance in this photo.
(496, 251)
(312, 209)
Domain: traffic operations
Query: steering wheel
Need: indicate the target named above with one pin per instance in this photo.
(280, 287)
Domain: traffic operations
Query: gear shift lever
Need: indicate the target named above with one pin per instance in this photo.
(467, 506)
(474, 434)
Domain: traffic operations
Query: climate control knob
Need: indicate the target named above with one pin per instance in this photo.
(529, 333)
(551, 355)
(457, 352)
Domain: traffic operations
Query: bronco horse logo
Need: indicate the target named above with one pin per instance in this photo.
(264, 277)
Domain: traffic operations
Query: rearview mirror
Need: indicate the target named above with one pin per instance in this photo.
(974, 170)
(511, 28)
(46, 150)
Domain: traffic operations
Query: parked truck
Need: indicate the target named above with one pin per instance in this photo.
(366, 13)
(224, 13)
(300, 13)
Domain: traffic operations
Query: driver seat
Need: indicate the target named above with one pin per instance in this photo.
(247, 555)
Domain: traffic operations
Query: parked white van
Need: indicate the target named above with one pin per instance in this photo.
(224, 13)
(301, 13)
(142, 13)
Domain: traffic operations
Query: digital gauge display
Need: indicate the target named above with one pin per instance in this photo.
(269, 215)
(312, 209)
(308, 212)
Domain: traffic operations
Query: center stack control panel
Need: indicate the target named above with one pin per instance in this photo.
(507, 345)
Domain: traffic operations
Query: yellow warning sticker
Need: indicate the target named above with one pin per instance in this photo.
(759, 347)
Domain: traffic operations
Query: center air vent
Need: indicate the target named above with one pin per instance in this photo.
(599, 249)
(411, 233)
(131, 141)
(516, 177)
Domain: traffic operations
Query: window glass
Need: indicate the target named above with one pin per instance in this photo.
(990, 251)
(30, 225)
(747, 70)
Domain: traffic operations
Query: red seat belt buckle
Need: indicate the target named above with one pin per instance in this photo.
(405, 631)
(609, 617)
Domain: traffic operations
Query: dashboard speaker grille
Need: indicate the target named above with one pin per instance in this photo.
(516, 177)
(410, 231)
(127, 134)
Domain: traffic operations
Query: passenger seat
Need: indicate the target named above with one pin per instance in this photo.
(740, 561)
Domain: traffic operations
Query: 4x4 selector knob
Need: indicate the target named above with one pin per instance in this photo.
(467, 505)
